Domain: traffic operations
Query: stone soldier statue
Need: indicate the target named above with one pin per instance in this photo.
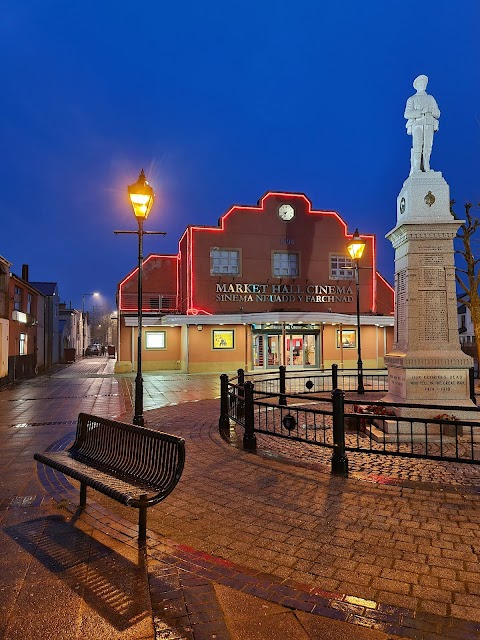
(422, 115)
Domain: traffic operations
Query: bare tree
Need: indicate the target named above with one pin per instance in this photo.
(469, 277)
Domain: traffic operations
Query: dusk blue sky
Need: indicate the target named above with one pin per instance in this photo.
(219, 101)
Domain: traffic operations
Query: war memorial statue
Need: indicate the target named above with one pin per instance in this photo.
(426, 365)
(422, 114)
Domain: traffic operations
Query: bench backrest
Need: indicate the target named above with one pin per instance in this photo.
(150, 456)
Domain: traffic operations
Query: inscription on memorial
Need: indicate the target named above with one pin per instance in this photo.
(432, 278)
(441, 385)
(434, 259)
(434, 327)
(396, 384)
(400, 307)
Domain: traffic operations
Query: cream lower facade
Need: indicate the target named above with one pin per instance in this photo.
(259, 341)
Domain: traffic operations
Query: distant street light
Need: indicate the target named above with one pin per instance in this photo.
(95, 293)
(355, 248)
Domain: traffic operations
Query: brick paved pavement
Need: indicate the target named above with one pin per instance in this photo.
(248, 546)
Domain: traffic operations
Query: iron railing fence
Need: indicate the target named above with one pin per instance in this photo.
(314, 381)
(347, 426)
(375, 428)
(151, 302)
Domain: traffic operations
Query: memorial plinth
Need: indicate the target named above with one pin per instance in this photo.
(426, 365)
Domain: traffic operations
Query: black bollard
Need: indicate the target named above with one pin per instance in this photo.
(339, 459)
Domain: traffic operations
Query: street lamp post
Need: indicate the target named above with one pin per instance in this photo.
(355, 249)
(95, 293)
(141, 198)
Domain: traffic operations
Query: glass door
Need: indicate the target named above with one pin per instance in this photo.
(258, 351)
(267, 352)
(301, 351)
(273, 350)
(310, 350)
(294, 351)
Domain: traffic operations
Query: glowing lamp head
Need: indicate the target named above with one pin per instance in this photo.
(141, 196)
(356, 246)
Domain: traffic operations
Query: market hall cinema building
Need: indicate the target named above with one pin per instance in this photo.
(272, 284)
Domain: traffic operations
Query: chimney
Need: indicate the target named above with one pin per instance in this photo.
(25, 272)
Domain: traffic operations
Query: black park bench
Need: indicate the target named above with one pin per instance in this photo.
(134, 465)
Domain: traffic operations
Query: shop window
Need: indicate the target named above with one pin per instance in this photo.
(17, 301)
(346, 338)
(23, 344)
(285, 264)
(155, 340)
(224, 261)
(341, 267)
(223, 339)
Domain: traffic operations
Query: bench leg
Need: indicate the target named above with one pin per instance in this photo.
(83, 495)
(142, 521)
(142, 525)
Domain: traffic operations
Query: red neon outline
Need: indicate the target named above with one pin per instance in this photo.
(387, 283)
(134, 271)
(196, 312)
(389, 287)
(260, 207)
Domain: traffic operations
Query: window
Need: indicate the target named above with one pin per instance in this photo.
(155, 340)
(3, 279)
(225, 261)
(346, 338)
(29, 303)
(17, 302)
(223, 339)
(285, 264)
(341, 268)
(23, 344)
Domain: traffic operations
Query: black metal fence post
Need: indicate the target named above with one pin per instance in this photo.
(224, 420)
(334, 376)
(471, 377)
(240, 392)
(282, 400)
(339, 458)
(249, 437)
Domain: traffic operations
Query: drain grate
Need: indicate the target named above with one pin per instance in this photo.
(23, 425)
(93, 395)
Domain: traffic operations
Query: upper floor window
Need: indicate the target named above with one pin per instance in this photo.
(29, 302)
(17, 301)
(285, 264)
(341, 267)
(3, 279)
(225, 261)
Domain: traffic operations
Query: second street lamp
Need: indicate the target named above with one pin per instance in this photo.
(355, 248)
(95, 294)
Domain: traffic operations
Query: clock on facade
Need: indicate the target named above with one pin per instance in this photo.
(286, 212)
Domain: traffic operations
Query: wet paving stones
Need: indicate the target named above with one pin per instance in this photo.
(389, 552)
